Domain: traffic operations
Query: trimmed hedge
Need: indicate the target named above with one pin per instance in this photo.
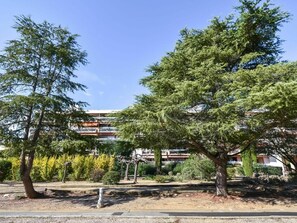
(52, 168)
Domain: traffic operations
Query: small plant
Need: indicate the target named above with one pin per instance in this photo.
(77, 164)
(163, 179)
(146, 169)
(5, 168)
(111, 178)
(197, 167)
(97, 175)
(15, 169)
(231, 172)
(293, 177)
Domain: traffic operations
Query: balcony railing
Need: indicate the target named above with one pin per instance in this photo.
(108, 129)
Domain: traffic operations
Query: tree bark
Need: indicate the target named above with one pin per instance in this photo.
(135, 171)
(158, 159)
(127, 171)
(25, 169)
(221, 175)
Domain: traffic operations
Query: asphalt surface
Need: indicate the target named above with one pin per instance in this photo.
(148, 217)
(148, 214)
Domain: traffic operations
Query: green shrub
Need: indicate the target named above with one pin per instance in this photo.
(293, 177)
(89, 168)
(270, 170)
(97, 175)
(36, 172)
(60, 166)
(169, 167)
(231, 172)
(111, 178)
(163, 179)
(197, 167)
(146, 169)
(47, 168)
(240, 170)
(177, 169)
(77, 164)
(103, 162)
(15, 169)
(5, 169)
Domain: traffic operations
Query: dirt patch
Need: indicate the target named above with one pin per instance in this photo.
(242, 198)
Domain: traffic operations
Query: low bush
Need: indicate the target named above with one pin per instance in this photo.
(111, 178)
(292, 177)
(77, 164)
(177, 169)
(231, 172)
(270, 170)
(146, 169)
(97, 175)
(5, 169)
(15, 169)
(197, 167)
(163, 179)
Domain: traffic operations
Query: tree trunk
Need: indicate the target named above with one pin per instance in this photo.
(221, 175)
(135, 172)
(25, 169)
(127, 171)
(158, 159)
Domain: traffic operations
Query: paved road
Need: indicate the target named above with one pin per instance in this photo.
(149, 217)
(147, 214)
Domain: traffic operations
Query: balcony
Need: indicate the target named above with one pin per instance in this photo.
(86, 130)
(107, 129)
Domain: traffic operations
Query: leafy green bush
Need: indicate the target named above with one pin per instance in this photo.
(293, 177)
(97, 175)
(36, 174)
(270, 170)
(77, 164)
(5, 169)
(60, 166)
(89, 168)
(169, 167)
(231, 172)
(47, 168)
(15, 169)
(163, 179)
(146, 169)
(177, 169)
(240, 170)
(111, 178)
(197, 167)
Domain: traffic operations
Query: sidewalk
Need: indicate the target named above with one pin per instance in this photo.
(149, 217)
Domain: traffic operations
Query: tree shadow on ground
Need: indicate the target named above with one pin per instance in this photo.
(88, 200)
(270, 194)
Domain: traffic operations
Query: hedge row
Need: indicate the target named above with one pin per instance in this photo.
(52, 168)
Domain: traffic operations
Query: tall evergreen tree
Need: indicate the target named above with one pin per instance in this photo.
(38, 69)
(197, 100)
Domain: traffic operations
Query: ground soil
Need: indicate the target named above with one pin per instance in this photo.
(243, 197)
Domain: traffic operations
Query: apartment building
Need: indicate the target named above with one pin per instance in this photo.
(100, 126)
(168, 155)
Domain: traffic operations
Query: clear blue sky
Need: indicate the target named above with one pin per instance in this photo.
(123, 37)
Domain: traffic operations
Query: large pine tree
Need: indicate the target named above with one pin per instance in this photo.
(196, 98)
(38, 71)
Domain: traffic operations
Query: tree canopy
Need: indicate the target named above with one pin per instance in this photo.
(219, 89)
(38, 70)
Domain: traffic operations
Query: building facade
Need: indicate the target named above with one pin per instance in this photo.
(101, 125)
